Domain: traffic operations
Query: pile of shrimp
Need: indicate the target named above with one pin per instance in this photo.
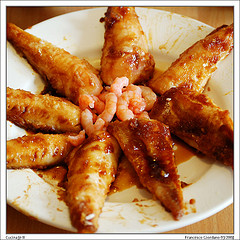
(122, 99)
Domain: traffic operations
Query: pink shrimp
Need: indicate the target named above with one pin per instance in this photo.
(100, 124)
(137, 104)
(85, 101)
(130, 103)
(123, 112)
(102, 95)
(143, 114)
(110, 107)
(149, 96)
(99, 105)
(118, 85)
(76, 140)
(125, 100)
(92, 102)
(136, 89)
(88, 124)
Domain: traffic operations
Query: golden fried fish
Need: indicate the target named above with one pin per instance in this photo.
(195, 119)
(92, 168)
(37, 151)
(148, 146)
(195, 65)
(67, 74)
(42, 112)
(125, 51)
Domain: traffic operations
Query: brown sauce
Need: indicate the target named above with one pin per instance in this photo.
(126, 177)
(157, 73)
(192, 201)
(184, 184)
(190, 207)
(29, 132)
(182, 151)
(55, 176)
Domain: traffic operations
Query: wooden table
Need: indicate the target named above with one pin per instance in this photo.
(24, 17)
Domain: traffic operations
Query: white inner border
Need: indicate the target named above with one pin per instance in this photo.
(5, 4)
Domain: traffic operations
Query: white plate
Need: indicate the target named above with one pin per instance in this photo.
(82, 34)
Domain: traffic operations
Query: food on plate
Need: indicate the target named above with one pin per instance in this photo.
(120, 98)
(126, 177)
(43, 113)
(149, 96)
(91, 170)
(147, 144)
(195, 65)
(118, 115)
(67, 74)
(131, 103)
(37, 150)
(195, 119)
(125, 50)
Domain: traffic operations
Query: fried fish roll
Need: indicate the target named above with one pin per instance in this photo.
(42, 112)
(195, 65)
(91, 170)
(148, 146)
(37, 151)
(67, 74)
(195, 119)
(125, 50)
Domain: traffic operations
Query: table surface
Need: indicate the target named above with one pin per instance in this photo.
(24, 17)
